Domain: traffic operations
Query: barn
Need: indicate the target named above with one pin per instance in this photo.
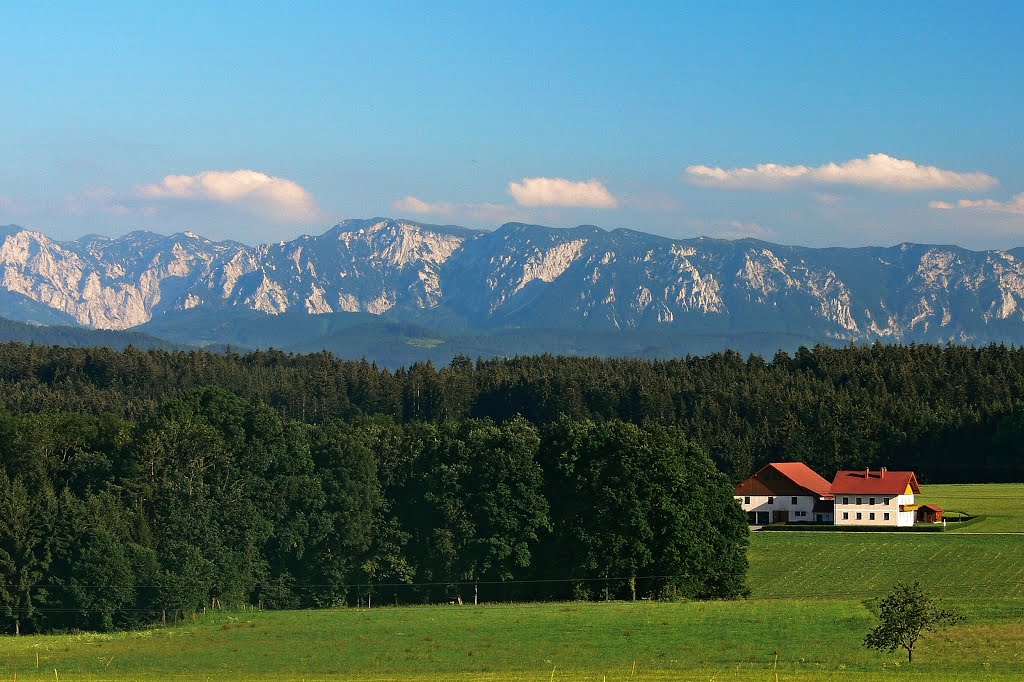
(930, 513)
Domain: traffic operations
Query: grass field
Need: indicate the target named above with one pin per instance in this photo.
(810, 607)
(1000, 504)
(716, 640)
(860, 565)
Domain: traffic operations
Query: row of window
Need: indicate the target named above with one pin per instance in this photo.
(846, 500)
(746, 500)
(871, 500)
(871, 516)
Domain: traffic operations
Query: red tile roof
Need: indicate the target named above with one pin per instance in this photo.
(804, 476)
(785, 478)
(933, 507)
(866, 482)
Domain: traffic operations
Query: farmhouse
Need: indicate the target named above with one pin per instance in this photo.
(875, 498)
(785, 492)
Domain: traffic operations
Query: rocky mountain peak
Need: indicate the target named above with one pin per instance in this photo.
(524, 275)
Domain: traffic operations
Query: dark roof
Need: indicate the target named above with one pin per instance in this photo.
(785, 478)
(867, 482)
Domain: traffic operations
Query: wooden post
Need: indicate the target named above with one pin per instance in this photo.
(476, 593)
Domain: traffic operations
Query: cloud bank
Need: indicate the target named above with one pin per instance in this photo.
(254, 191)
(480, 212)
(1015, 205)
(105, 200)
(561, 192)
(877, 171)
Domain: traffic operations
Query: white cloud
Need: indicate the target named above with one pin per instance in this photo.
(877, 171)
(104, 200)
(561, 192)
(484, 212)
(739, 229)
(254, 191)
(828, 199)
(14, 208)
(413, 205)
(1015, 205)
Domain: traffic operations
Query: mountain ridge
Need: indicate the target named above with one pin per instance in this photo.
(584, 279)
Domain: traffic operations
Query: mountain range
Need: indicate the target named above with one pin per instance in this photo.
(397, 291)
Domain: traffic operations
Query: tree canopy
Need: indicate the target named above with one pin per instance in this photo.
(952, 414)
(213, 500)
(904, 615)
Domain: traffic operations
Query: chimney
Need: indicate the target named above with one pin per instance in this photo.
(867, 472)
(882, 473)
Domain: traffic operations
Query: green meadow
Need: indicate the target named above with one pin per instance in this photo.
(862, 565)
(999, 505)
(811, 604)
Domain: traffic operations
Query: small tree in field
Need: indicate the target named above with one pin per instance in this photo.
(905, 614)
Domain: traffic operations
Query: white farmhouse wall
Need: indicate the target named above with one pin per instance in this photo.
(759, 503)
(847, 509)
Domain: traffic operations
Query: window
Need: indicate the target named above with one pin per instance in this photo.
(794, 500)
(858, 516)
(871, 500)
(871, 516)
(885, 516)
(846, 500)
(746, 500)
(859, 501)
(846, 516)
(885, 500)
(770, 500)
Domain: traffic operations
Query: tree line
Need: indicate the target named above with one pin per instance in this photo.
(212, 500)
(952, 414)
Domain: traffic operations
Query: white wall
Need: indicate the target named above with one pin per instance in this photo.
(879, 509)
(804, 503)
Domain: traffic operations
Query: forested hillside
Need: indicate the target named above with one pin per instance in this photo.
(213, 500)
(953, 414)
(142, 485)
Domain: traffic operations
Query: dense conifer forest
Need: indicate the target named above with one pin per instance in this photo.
(138, 486)
(953, 414)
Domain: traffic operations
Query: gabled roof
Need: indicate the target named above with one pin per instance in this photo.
(933, 507)
(785, 478)
(867, 482)
(804, 476)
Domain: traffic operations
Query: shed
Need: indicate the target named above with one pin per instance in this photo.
(929, 513)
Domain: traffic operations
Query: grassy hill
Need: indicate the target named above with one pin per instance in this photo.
(395, 343)
(965, 564)
(999, 505)
(811, 605)
(67, 335)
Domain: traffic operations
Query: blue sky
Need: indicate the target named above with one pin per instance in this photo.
(884, 122)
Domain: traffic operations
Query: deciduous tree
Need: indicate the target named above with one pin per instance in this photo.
(905, 614)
